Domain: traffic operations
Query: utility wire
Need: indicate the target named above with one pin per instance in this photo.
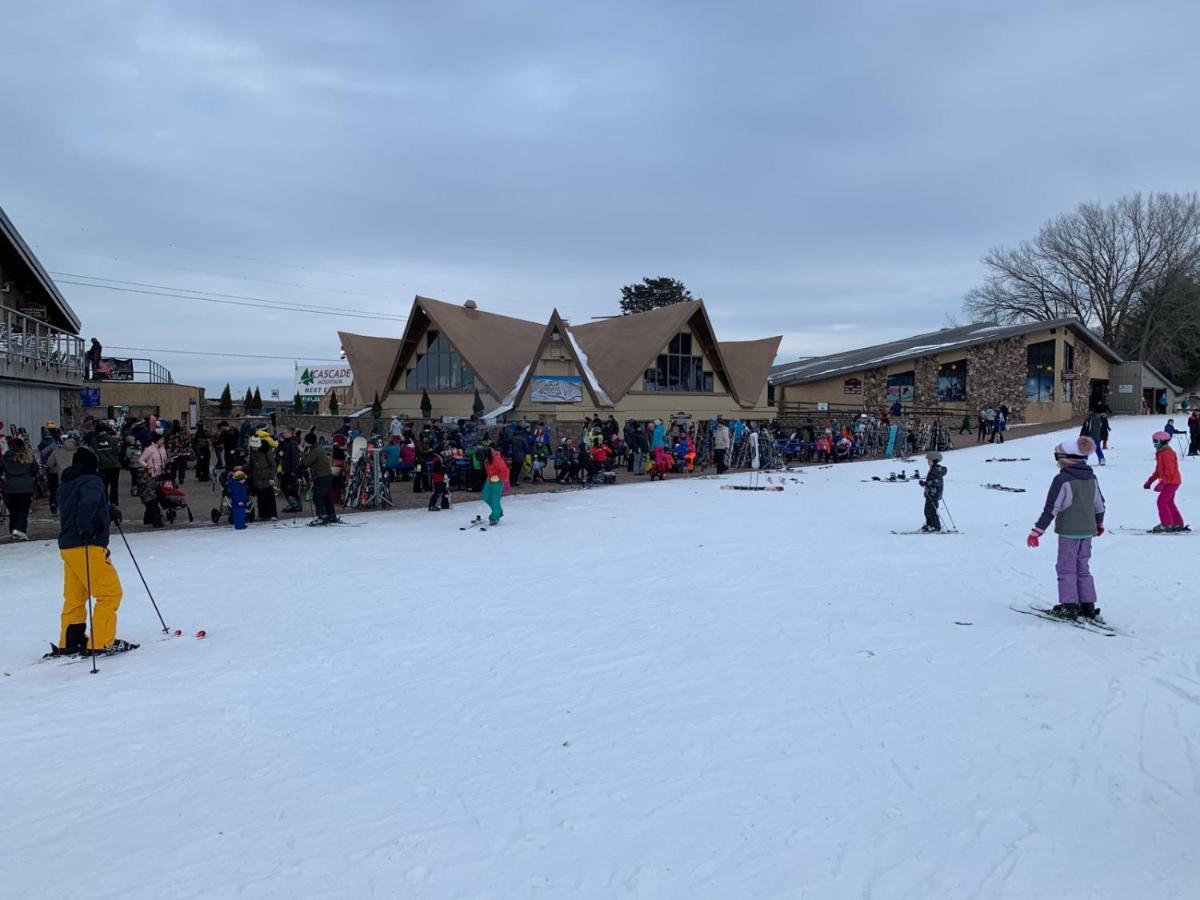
(146, 262)
(229, 355)
(167, 287)
(267, 305)
(270, 262)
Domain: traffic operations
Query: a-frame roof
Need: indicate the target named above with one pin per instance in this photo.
(748, 363)
(620, 349)
(372, 359)
(10, 233)
(497, 348)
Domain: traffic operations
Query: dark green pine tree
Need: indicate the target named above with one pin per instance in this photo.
(257, 399)
(248, 403)
(226, 403)
(653, 293)
(297, 403)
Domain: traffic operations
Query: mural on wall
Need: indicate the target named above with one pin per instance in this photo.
(556, 389)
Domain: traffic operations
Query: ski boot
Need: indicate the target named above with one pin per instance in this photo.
(929, 529)
(1069, 611)
(1090, 611)
(117, 646)
(1162, 529)
(1176, 529)
(493, 522)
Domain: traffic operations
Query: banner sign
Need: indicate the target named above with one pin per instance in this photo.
(556, 389)
(316, 380)
(852, 386)
(114, 369)
(89, 397)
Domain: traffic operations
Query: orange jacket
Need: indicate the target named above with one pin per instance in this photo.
(496, 466)
(1166, 467)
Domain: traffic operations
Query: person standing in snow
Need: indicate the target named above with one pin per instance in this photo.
(321, 474)
(658, 437)
(1166, 473)
(1093, 427)
(18, 469)
(1076, 505)
(721, 442)
(262, 476)
(934, 484)
(496, 471)
(437, 468)
(1193, 424)
(84, 520)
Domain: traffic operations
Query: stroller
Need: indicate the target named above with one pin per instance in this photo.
(166, 493)
(226, 510)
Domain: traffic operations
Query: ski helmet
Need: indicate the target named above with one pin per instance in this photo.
(1161, 437)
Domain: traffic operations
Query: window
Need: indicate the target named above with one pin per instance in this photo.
(902, 387)
(1068, 379)
(952, 382)
(439, 367)
(1039, 372)
(678, 369)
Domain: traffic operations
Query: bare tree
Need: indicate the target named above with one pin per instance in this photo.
(1095, 264)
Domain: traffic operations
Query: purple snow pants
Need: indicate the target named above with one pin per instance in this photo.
(1075, 584)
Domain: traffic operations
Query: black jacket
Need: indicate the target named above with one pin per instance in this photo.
(289, 455)
(82, 509)
(108, 451)
(18, 476)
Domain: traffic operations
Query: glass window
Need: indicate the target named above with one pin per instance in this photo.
(678, 369)
(952, 382)
(1039, 372)
(902, 387)
(439, 368)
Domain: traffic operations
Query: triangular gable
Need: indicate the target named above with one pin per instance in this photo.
(372, 359)
(620, 349)
(574, 353)
(495, 347)
(749, 363)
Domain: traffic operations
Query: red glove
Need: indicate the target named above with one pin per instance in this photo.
(1032, 540)
(1099, 530)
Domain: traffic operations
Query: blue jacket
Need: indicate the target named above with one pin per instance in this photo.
(659, 437)
(391, 455)
(239, 494)
(83, 512)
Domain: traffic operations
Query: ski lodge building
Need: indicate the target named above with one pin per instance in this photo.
(660, 364)
(1044, 371)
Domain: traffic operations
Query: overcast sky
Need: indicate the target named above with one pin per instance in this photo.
(828, 171)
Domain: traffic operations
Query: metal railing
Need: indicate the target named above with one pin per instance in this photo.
(28, 341)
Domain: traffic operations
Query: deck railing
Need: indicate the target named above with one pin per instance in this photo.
(28, 341)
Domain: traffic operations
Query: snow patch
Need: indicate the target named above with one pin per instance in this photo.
(581, 358)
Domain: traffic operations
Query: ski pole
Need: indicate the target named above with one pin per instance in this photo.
(87, 568)
(143, 577)
(953, 524)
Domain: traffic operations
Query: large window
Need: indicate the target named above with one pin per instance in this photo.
(439, 367)
(1039, 372)
(1068, 383)
(952, 382)
(678, 369)
(902, 387)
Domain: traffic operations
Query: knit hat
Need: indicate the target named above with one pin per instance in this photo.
(86, 458)
(1080, 448)
(1161, 437)
(254, 442)
(934, 456)
(310, 438)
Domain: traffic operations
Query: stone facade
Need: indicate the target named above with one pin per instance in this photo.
(995, 375)
(874, 388)
(1083, 379)
(925, 381)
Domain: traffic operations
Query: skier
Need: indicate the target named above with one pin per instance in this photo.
(1093, 427)
(497, 477)
(1166, 473)
(1076, 505)
(1193, 424)
(84, 517)
(437, 468)
(321, 473)
(934, 484)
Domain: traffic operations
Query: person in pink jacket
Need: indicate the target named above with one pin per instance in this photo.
(153, 463)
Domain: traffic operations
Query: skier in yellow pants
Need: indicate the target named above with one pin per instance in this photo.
(84, 517)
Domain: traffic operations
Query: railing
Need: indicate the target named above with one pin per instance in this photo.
(28, 341)
(796, 411)
(148, 370)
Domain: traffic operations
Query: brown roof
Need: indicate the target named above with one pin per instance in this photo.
(372, 360)
(497, 348)
(619, 349)
(748, 363)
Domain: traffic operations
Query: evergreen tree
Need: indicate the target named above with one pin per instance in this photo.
(297, 403)
(257, 399)
(226, 404)
(477, 405)
(333, 404)
(426, 405)
(247, 403)
(653, 293)
(377, 407)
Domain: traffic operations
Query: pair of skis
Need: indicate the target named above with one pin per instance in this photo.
(1084, 624)
(476, 523)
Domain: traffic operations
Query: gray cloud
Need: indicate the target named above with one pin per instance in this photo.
(832, 172)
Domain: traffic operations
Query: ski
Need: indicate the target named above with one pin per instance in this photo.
(1091, 625)
(1008, 459)
(746, 487)
(1150, 531)
(1004, 487)
(919, 531)
(476, 522)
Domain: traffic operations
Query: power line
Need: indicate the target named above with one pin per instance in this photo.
(267, 305)
(146, 262)
(270, 262)
(229, 355)
(167, 287)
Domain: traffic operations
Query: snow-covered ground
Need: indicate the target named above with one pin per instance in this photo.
(660, 691)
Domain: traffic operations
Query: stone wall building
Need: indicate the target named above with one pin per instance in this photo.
(1043, 371)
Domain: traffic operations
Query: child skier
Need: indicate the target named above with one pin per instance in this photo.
(239, 497)
(1166, 473)
(438, 467)
(934, 484)
(1076, 505)
(497, 477)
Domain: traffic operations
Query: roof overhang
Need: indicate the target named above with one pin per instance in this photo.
(43, 277)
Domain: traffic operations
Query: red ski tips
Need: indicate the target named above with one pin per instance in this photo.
(200, 634)
(178, 633)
